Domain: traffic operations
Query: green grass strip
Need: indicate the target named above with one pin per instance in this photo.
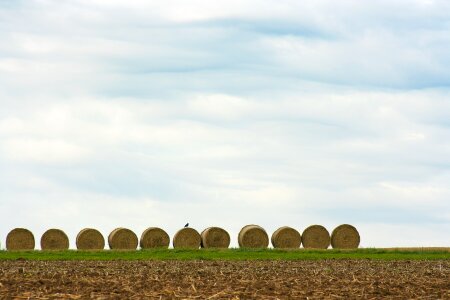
(228, 254)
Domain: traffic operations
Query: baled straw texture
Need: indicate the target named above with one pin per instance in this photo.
(122, 239)
(316, 236)
(90, 239)
(215, 237)
(54, 239)
(345, 236)
(253, 236)
(286, 237)
(187, 238)
(20, 239)
(154, 237)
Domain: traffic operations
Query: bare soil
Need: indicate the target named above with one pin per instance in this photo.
(367, 279)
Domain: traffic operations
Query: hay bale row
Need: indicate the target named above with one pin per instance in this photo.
(287, 238)
(215, 237)
(20, 239)
(345, 236)
(54, 239)
(188, 238)
(154, 237)
(122, 239)
(316, 237)
(253, 236)
(250, 236)
(90, 239)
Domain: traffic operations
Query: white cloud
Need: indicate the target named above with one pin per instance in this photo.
(220, 106)
(410, 235)
(226, 112)
(27, 150)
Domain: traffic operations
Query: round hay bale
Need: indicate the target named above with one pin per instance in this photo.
(154, 237)
(345, 236)
(90, 239)
(253, 236)
(187, 238)
(122, 239)
(286, 237)
(316, 236)
(20, 239)
(54, 239)
(215, 237)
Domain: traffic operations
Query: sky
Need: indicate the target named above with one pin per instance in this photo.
(226, 113)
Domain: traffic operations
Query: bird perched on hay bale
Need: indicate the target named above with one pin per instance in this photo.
(187, 225)
(187, 238)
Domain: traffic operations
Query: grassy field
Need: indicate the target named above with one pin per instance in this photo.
(234, 254)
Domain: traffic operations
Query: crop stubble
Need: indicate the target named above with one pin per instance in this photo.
(225, 279)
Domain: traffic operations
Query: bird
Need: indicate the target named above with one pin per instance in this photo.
(187, 225)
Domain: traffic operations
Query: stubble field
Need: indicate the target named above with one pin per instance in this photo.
(225, 279)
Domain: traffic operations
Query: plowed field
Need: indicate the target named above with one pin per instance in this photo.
(23, 279)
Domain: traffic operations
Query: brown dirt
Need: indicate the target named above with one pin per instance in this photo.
(328, 279)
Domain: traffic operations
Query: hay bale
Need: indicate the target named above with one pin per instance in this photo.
(345, 236)
(316, 236)
(154, 237)
(20, 239)
(90, 239)
(215, 237)
(253, 236)
(187, 238)
(122, 239)
(54, 239)
(286, 237)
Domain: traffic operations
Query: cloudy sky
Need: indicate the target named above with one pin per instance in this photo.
(225, 113)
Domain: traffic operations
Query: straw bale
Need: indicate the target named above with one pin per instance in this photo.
(54, 239)
(253, 236)
(20, 239)
(122, 239)
(215, 237)
(345, 236)
(187, 238)
(286, 237)
(90, 239)
(316, 236)
(154, 237)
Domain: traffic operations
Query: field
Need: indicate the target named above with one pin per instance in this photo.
(226, 274)
(234, 254)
